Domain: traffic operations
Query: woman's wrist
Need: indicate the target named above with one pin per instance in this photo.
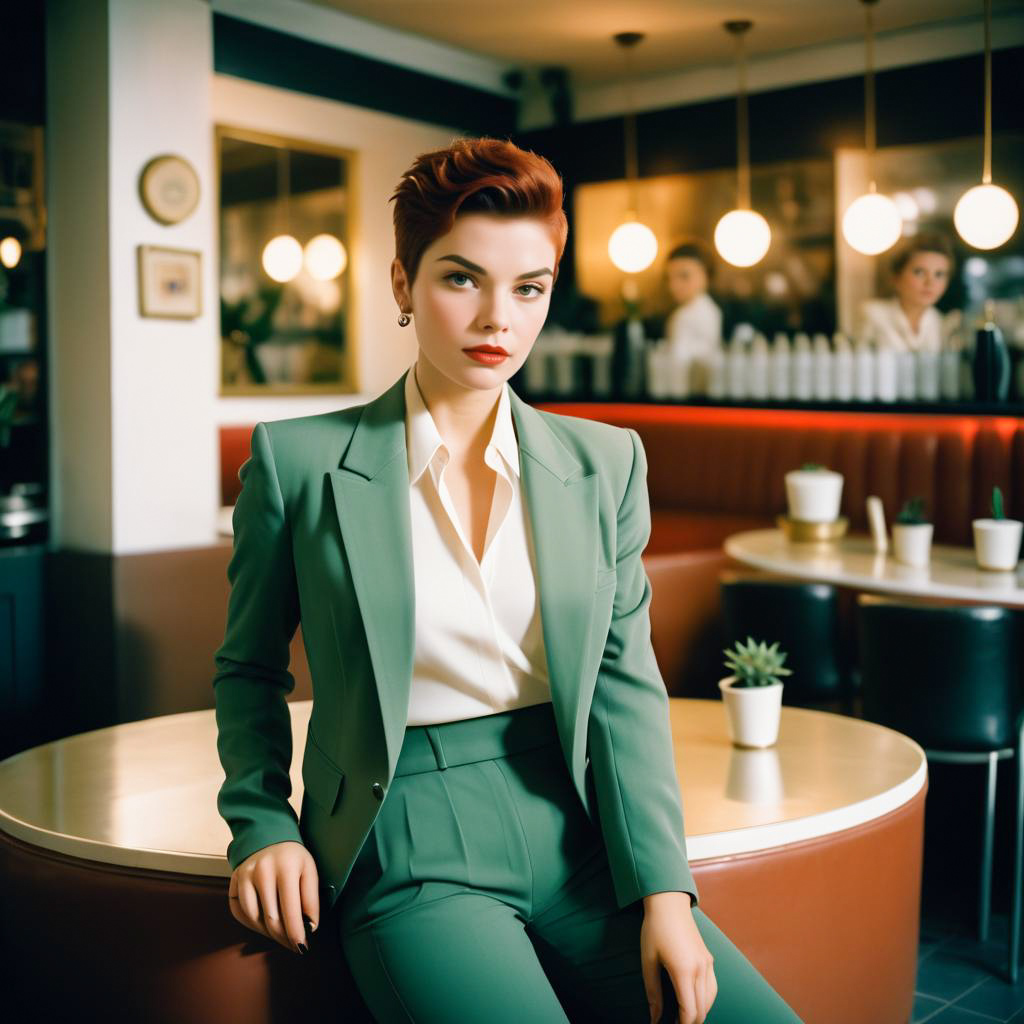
(674, 899)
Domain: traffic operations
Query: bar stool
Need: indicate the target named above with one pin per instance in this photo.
(949, 677)
(804, 618)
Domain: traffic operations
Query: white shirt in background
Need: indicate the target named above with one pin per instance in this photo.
(479, 643)
(883, 322)
(695, 329)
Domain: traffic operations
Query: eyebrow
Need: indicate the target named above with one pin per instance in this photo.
(469, 265)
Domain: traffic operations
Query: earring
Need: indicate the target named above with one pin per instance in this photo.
(403, 320)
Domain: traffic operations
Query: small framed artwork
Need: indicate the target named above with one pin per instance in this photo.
(169, 282)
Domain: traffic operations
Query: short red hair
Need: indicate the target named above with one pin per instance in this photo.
(483, 175)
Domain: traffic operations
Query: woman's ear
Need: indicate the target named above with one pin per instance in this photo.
(400, 286)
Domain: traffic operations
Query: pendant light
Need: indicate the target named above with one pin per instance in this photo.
(986, 215)
(632, 246)
(742, 236)
(282, 255)
(872, 223)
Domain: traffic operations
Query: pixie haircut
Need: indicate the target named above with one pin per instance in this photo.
(483, 175)
(925, 242)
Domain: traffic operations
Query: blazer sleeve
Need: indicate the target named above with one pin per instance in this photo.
(630, 739)
(254, 736)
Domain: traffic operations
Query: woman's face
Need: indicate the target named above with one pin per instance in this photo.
(923, 280)
(487, 282)
(686, 279)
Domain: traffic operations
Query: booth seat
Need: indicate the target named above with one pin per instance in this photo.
(713, 471)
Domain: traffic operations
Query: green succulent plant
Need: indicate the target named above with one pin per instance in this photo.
(756, 664)
(813, 467)
(997, 504)
(912, 512)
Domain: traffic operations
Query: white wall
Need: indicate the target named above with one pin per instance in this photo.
(135, 404)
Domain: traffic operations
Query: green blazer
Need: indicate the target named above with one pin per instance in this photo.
(322, 532)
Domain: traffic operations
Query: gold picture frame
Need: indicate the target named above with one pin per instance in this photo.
(170, 282)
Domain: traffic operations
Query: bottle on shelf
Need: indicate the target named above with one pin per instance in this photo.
(991, 363)
(927, 375)
(658, 369)
(716, 373)
(802, 379)
(822, 368)
(736, 369)
(780, 368)
(864, 371)
(885, 374)
(906, 382)
(842, 368)
(757, 367)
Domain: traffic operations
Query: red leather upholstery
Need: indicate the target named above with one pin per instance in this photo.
(713, 471)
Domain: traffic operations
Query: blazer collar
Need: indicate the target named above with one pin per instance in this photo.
(379, 436)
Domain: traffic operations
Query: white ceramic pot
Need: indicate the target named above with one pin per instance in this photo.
(753, 712)
(813, 496)
(997, 543)
(912, 543)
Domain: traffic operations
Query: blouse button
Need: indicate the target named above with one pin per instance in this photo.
(378, 791)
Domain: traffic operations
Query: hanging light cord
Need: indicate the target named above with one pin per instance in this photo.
(742, 128)
(627, 40)
(870, 132)
(986, 173)
(283, 186)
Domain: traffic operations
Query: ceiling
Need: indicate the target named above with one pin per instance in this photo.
(681, 34)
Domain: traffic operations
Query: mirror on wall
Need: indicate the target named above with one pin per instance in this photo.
(286, 251)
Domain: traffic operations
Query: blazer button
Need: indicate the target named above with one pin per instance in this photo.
(378, 791)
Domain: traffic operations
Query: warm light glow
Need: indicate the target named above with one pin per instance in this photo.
(742, 237)
(282, 258)
(632, 247)
(986, 216)
(325, 257)
(872, 224)
(10, 252)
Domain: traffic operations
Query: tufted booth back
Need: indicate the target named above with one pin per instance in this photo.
(727, 465)
(731, 462)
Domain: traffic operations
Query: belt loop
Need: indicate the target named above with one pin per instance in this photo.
(435, 742)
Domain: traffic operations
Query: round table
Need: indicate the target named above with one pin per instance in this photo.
(807, 855)
(853, 562)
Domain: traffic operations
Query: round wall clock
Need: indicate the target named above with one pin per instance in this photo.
(169, 188)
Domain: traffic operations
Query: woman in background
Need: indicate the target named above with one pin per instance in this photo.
(920, 272)
(694, 328)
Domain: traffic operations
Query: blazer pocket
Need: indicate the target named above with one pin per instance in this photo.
(321, 778)
(605, 578)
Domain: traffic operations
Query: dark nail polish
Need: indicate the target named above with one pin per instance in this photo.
(302, 948)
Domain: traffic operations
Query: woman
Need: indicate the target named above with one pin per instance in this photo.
(908, 321)
(695, 326)
(490, 800)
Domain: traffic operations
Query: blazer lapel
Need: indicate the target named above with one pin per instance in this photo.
(371, 496)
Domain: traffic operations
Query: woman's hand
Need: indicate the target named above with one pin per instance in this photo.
(272, 889)
(669, 936)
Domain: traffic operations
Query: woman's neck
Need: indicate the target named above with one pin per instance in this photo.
(913, 313)
(464, 416)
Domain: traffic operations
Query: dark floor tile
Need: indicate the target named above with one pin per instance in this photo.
(955, 1014)
(996, 997)
(949, 977)
(925, 1007)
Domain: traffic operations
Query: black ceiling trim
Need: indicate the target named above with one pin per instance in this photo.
(266, 55)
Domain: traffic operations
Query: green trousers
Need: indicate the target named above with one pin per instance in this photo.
(483, 893)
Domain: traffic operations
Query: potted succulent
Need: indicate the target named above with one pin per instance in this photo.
(753, 693)
(997, 540)
(813, 493)
(912, 534)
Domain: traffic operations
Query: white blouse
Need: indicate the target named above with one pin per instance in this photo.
(695, 329)
(479, 645)
(884, 323)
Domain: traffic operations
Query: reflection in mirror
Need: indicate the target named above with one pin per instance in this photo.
(285, 265)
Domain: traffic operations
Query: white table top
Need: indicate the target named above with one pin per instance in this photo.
(853, 562)
(144, 794)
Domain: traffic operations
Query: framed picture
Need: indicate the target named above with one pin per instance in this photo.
(169, 282)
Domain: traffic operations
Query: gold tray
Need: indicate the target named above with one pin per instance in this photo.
(801, 532)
